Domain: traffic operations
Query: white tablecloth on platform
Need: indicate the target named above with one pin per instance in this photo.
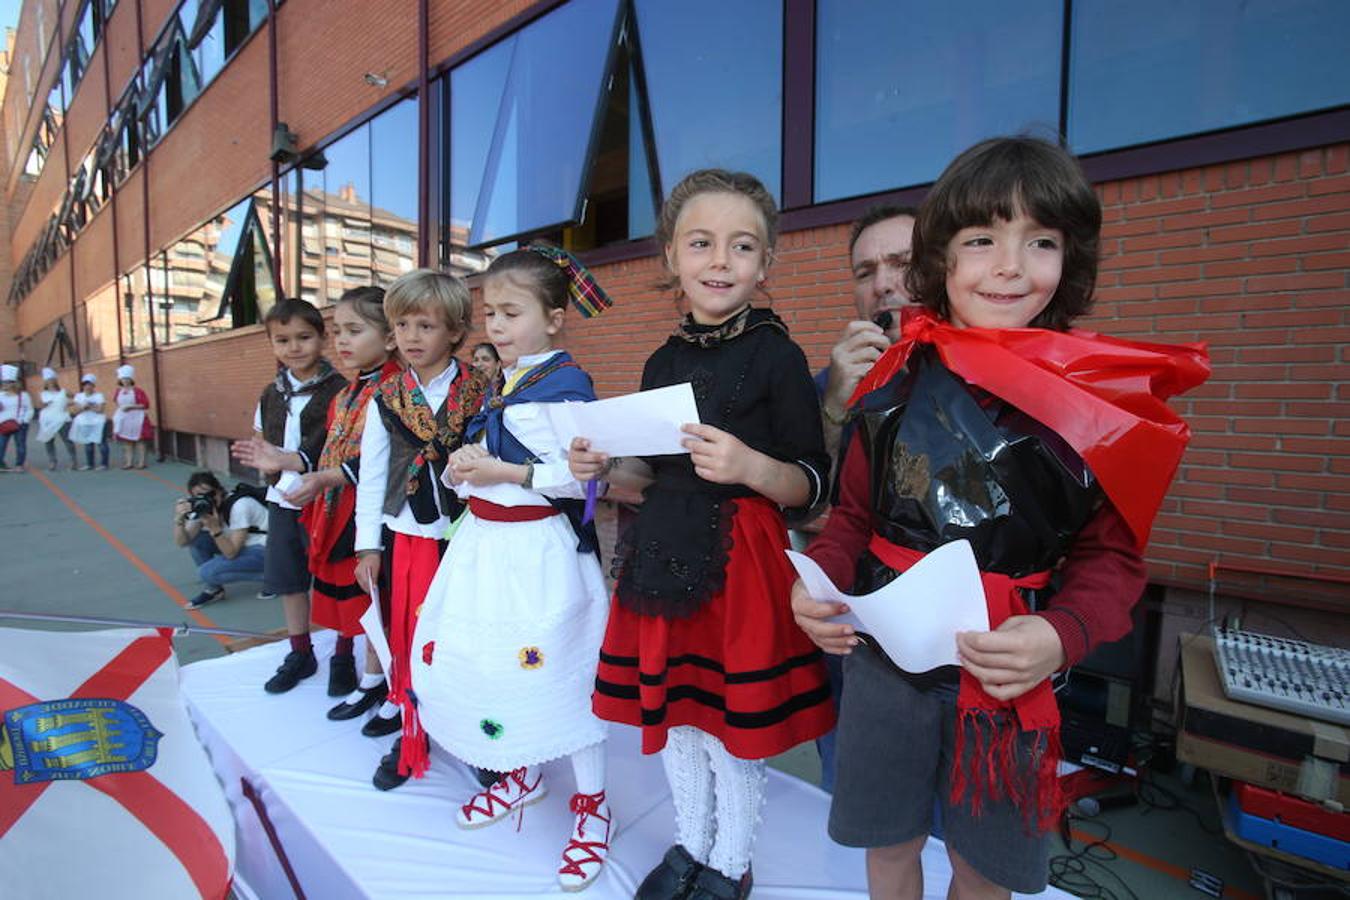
(346, 839)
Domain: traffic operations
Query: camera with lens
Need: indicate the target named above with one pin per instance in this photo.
(200, 505)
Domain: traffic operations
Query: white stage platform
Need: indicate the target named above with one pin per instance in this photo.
(345, 839)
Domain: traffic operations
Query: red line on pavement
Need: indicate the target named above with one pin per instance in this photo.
(1158, 865)
(172, 592)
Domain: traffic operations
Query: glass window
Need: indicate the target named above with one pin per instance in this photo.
(521, 115)
(393, 197)
(206, 38)
(728, 79)
(1152, 69)
(901, 88)
(337, 190)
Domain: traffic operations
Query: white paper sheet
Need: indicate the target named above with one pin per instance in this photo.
(915, 618)
(374, 626)
(646, 423)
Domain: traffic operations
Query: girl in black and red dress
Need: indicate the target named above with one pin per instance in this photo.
(701, 651)
(364, 343)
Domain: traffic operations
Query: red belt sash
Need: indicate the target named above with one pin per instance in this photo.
(495, 512)
(991, 774)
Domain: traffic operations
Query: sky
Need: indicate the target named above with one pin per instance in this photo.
(9, 13)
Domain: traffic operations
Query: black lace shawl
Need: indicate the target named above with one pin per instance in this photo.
(750, 379)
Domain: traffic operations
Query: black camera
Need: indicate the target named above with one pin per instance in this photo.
(200, 505)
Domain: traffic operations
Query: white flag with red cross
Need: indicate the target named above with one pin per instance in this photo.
(104, 789)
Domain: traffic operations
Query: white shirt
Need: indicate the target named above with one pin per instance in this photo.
(58, 397)
(370, 513)
(85, 400)
(290, 435)
(16, 406)
(249, 513)
(529, 424)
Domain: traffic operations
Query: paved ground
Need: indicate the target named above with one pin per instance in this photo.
(100, 544)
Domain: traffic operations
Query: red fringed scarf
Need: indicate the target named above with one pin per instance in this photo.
(1107, 398)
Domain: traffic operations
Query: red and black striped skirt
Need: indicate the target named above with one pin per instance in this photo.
(739, 668)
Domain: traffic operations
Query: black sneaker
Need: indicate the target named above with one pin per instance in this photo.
(206, 597)
(267, 595)
(713, 885)
(296, 666)
(369, 700)
(341, 675)
(386, 776)
(380, 726)
(673, 878)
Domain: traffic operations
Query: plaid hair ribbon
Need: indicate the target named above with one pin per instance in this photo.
(585, 292)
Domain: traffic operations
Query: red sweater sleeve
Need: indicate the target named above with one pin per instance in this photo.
(841, 543)
(1101, 579)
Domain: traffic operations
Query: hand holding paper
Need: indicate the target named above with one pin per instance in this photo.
(916, 617)
(646, 423)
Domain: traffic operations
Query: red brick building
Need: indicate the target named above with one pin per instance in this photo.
(146, 139)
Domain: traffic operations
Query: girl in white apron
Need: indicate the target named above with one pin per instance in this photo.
(131, 421)
(90, 424)
(54, 419)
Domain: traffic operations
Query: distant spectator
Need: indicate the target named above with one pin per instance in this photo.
(90, 425)
(54, 418)
(16, 411)
(131, 421)
(486, 360)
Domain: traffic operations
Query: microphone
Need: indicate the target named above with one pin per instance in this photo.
(884, 319)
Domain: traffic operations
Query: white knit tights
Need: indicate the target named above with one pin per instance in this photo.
(588, 765)
(717, 797)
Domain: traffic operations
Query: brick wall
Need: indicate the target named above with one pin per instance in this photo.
(1251, 257)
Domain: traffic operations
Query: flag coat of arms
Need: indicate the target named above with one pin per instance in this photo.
(104, 789)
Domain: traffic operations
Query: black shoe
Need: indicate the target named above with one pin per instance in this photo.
(369, 699)
(713, 885)
(296, 666)
(672, 879)
(341, 675)
(206, 597)
(379, 726)
(386, 777)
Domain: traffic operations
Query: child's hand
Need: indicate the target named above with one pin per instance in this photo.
(256, 452)
(1020, 654)
(368, 569)
(310, 485)
(474, 465)
(718, 456)
(584, 464)
(463, 461)
(813, 618)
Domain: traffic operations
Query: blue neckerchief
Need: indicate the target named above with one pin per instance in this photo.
(555, 380)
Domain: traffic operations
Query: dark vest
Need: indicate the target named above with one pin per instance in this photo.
(313, 418)
(403, 447)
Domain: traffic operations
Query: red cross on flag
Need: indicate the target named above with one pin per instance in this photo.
(104, 790)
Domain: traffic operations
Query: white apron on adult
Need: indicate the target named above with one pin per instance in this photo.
(128, 423)
(54, 415)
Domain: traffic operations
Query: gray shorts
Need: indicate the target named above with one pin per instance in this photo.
(895, 748)
(286, 556)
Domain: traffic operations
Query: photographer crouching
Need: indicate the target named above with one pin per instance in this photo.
(225, 533)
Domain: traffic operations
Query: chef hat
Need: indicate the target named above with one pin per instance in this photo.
(126, 372)
(88, 378)
(48, 373)
(9, 373)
